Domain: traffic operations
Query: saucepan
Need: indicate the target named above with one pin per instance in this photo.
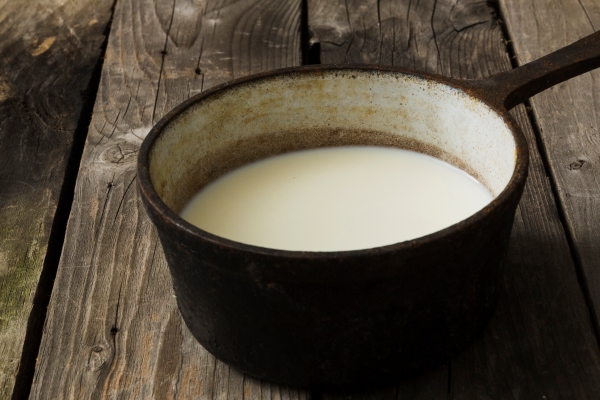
(340, 317)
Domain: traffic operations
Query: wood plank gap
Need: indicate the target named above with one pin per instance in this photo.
(310, 49)
(449, 389)
(512, 54)
(315, 394)
(41, 298)
(552, 179)
(304, 33)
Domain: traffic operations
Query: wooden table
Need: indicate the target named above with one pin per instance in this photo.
(86, 304)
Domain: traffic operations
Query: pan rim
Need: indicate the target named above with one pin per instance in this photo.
(173, 221)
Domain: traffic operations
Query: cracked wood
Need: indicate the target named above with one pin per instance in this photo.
(541, 341)
(46, 64)
(113, 327)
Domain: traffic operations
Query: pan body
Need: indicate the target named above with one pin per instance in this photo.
(334, 318)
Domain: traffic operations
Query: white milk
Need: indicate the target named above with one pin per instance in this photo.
(338, 198)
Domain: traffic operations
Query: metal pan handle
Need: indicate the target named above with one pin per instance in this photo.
(510, 88)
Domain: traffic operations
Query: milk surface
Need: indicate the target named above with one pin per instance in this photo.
(338, 198)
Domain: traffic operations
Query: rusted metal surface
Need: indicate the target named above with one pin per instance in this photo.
(336, 318)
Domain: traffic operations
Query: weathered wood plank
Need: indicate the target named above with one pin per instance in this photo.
(113, 328)
(48, 52)
(540, 341)
(568, 116)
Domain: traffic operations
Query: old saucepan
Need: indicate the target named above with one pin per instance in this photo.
(337, 318)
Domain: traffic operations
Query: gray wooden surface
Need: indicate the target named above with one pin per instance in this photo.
(568, 116)
(112, 328)
(47, 55)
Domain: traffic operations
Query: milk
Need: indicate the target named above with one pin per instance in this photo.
(338, 198)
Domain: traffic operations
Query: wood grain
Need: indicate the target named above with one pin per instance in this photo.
(47, 55)
(568, 116)
(113, 328)
(541, 341)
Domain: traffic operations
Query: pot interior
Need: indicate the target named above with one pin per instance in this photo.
(310, 109)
